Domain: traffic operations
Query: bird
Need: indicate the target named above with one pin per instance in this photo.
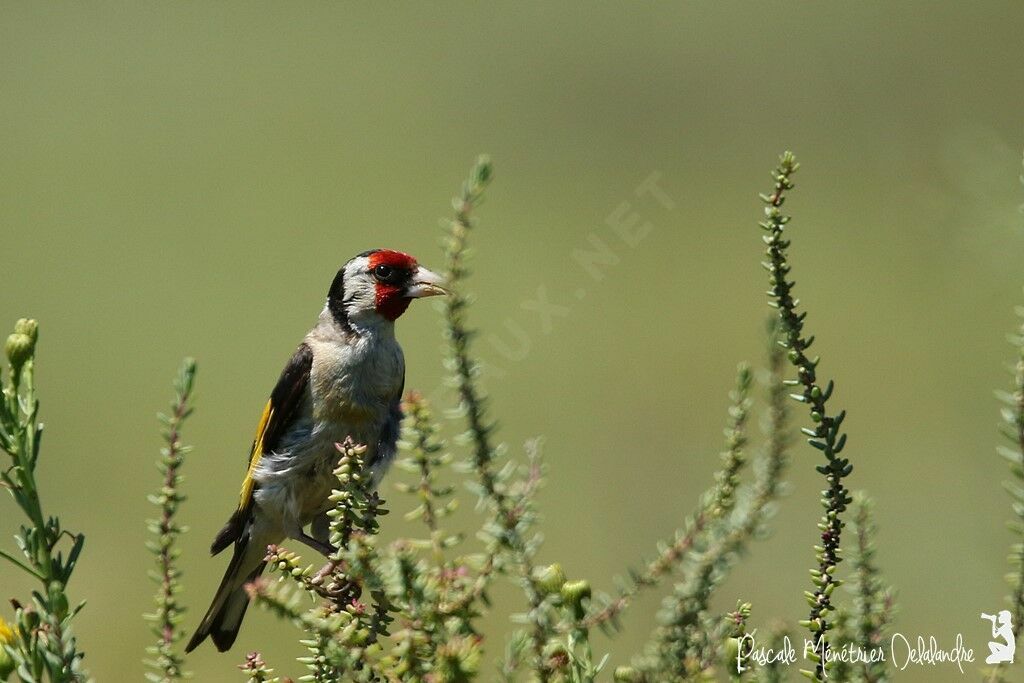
(345, 380)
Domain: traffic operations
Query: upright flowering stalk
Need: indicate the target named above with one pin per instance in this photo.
(698, 527)
(825, 435)
(257, 670)
(873, 600)
(509, 501)
(1012, 427)
(44, 645)
(168, 663)
(675, 640)
(427, 456)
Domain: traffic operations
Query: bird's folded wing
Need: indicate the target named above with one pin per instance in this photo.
(285, 402)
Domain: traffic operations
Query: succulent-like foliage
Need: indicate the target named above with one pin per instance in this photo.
(678, 643)
(257, 669)
(1012, 450)
(427, 458)
(825, 435)
(1012, 428)
(508, 500)
(168, 663)
(41, 644)
(717, 501)
(738, 648)
(873, 601)
(774, 671)
(687, 642)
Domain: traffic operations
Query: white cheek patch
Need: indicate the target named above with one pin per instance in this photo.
(360, 287)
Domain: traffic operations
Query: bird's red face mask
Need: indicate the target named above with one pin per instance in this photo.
(399, 280)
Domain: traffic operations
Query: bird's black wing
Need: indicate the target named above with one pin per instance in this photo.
(281, 409)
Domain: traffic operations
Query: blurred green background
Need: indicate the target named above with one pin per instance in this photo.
(186, 178)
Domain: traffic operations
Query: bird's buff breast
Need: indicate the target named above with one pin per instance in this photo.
(355, 384)
(350, 394)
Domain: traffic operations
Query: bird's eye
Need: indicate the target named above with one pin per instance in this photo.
(384, 273)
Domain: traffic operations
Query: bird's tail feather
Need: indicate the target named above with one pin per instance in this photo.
(224, 617)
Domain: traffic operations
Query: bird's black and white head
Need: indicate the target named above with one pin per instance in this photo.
(377, 286)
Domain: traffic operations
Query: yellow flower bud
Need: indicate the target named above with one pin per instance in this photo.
(6, 638)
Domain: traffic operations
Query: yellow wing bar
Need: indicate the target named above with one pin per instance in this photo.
(254, 457)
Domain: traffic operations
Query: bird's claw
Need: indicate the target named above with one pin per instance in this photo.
(322, 547)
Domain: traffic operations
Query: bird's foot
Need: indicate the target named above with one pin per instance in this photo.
(325, 549)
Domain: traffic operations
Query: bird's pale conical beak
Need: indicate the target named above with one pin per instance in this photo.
(425, 283)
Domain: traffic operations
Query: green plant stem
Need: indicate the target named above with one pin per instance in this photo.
(825, 435)
(712, 506)
(683, 610)
(1012, 414)
(425, 459)
(169, 663)
(45, 643)
(257, 670)
(472, 404)
(872, 602)
(1012, 428)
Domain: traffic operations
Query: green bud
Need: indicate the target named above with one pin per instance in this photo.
(574, 593)
(58, 600)
(29, 620)
(6, 663)
(19, 349)
(731, 650)
(27, 327)
(627, 674)
(549, 579)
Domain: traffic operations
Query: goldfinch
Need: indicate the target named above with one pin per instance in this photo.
(344, 380)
